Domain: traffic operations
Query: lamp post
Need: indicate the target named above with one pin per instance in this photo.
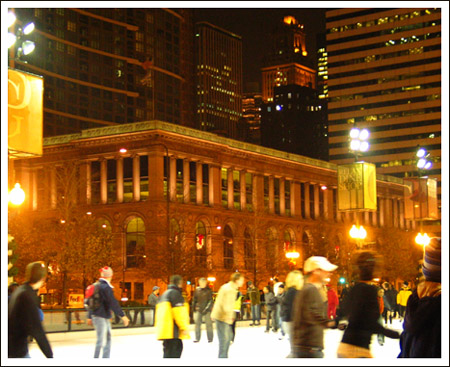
(17, 36)
(292, 256)
(358, 141)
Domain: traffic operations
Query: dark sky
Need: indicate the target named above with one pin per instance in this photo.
(255, 25)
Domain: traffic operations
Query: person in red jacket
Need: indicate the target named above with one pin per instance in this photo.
(380, 320)
(333, 302)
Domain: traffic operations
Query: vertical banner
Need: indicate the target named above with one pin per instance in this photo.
(25, 113)
(357, 187)
(421, 199)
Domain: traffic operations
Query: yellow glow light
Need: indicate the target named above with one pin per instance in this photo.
(304, 53)
(423, 239)
(211, 279)
(292, 255)
(17, 195)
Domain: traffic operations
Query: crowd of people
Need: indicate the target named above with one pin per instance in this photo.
(300, 309)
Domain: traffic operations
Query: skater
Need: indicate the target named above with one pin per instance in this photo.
(281, 294)
(223, 312)
(402, 298)
(152, 302)
(271, 303)
(333, 302)
(254, 297)
(172, 319)
(309, 310)
(363, 312)
(421, 337)
(294, 283)
(202, 305)
(390, 302)
(380, 319)
(237, 314)
(101, 317)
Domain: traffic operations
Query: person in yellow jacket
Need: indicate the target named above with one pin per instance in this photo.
(237, 311)
(172, 319)
(402, 298)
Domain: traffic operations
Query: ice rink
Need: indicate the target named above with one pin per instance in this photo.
(140, 346)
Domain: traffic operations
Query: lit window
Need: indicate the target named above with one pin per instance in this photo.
(71, 26)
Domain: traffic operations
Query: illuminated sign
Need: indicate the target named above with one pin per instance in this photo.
(421, 199)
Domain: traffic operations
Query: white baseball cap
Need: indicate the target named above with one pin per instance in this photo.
(318, 262)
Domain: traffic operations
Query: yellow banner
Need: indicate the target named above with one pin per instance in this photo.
(357, 187)
(25, 113)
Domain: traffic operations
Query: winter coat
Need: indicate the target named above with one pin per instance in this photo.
(153, 300)
(390, 299)
(421, 337)
(203, 300)
(403, 295)
(253, 296)
(172, 315)
(270, 300)
(287, 304)
(108, 302)
(333, 303)
(223, 309)
(24, 321)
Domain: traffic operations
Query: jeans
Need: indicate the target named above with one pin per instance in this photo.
(198, 319)
(224, 333)
(172, 348)
(276, 317)
(268, 318)
(309, 353)
(152, 317)
(256, 313)
(136, 313)
(103, 328)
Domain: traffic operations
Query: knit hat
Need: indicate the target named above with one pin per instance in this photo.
(155, 288)
(106, 272)
(432, 261)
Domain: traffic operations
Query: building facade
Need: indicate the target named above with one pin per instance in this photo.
(219, 79)
(237, 206)
(384, 74)
(106, 67)
(251, 112)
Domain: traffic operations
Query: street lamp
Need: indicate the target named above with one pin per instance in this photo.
(358, 141)
(24, 46)
(16, 195)
(422, 239)
(358, 233)
(423, 160)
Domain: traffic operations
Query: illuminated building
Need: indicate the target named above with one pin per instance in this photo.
(384, 73)
(219, 79)
(220, 189)
(104, 67)
(251, 112)
(287, 62)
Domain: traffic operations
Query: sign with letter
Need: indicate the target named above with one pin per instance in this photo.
(421, 199)
(357, 187)
(25, 113)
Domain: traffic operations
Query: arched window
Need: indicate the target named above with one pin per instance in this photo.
(135, 243)
(228, 253)
(288, 245)
(200, 245)
(271, 245)
(175, 237)
(249, 251)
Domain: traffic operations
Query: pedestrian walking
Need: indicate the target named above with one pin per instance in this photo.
(294, 283)
(276, 309)
(363, 312)
(390, 302)
(237, 314)
(402, 298)
(202, 304)
(380, 297)
(223, 312)
(152, 301)
(101, 316)
(271, 302)
(421, 337)
(23, 315)
(255, 300)
(333, 302)
(309, 310)
(172, 319)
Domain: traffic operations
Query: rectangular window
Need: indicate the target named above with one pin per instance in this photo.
(237, 190)
(335, 213)
(287, 197)
(224, 187)
(193, 182)
(111, 180)
(302, 189)
(166, 169)
(311, 202)
(249, 191)
(180, 191)
(127, 179)
(71, 26)
(42, 197)
(205, 168)
(95, 182)
(276, 184)
(126, 290)
(321, 204)
(138, 291)
(266, 193)
(143, 166)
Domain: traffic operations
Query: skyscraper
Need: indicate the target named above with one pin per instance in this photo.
(287, 61)
(384, 74)
(104, 67)
(251, 112)
(219, 79)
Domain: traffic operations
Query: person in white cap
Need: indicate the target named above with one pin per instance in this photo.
(310, 314)
(101, 317)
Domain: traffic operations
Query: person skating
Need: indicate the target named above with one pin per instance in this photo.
(237, 314)
(223, 312)
(152, 301)
(402, 298)
(202, 304)
(390, 302)
(309, 310)
(23, 315)
(280, 296)
(363, 313)
(172, 319)
(253, 296)
(271, 302)
(380, 319)
(101, 317)
(421, 337)
(294, 283)
(333, 302)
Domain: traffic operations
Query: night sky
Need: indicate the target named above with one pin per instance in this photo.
(255, 25)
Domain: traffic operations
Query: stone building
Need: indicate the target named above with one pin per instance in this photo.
(223, 194)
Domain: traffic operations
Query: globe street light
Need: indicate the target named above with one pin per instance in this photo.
(24, 46)
(358, 141)
(17, 195)
(423, 239)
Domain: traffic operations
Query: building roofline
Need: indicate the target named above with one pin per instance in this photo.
(267, 68)
(217, 28)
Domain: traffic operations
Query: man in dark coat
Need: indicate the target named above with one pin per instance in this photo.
(202, 305)
(421, 337)
(23, 315)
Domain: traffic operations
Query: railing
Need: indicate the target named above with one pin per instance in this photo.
(75, 319)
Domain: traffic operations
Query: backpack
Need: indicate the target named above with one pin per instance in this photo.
(92, 298)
